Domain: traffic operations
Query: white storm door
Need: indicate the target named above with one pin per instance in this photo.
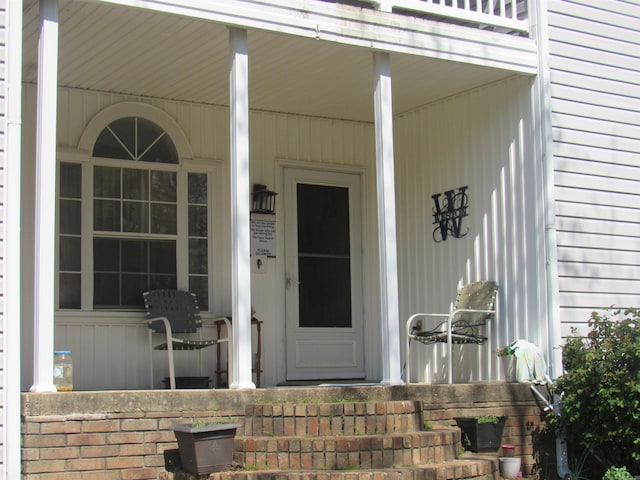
(323, 262)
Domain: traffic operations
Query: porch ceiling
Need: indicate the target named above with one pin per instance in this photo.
(116, 49)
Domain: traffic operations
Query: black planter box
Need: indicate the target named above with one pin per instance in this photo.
(481, 437)
(207, 448)
(188, 382)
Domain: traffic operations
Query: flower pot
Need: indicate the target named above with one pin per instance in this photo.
(509, 467)
(481, 437)
(207, 448)
(509, 367)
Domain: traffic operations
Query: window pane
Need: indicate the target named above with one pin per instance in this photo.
(106, 182)
(134, 256)
(135, 217)
(107, 146)
(164, 219)
(69, 290)
(162, 281)
(197, 221)
(106, 215)
(135, 184)
(106, 255)
(319, 206)
(106, 290)
(125, 130)
(70, 217)
(162, 256)
(197, 256)
(198, 188)
(162, 152)
(322, 279)
(146, 264)
(70, 253)
(70, 180)
(199, 285)
(163, 186)
(132, 288)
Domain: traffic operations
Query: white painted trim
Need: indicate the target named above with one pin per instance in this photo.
(11, 451)
(372, 29)
(45, 205)
(135, 109)
(544, 143)
(390, 308)
(240, 345)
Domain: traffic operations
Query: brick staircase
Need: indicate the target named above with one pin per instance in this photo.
(346, 440)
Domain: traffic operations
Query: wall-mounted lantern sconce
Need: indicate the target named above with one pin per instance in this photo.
(264, 201)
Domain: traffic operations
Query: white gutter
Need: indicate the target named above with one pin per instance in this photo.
(543, 108)
(11, 272)
(542, 93)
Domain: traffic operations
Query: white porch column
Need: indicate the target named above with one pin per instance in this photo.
(391, 358)
(240, 373)
(10, 416)
(45, 214)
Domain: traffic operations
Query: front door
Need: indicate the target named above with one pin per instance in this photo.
(323, 261)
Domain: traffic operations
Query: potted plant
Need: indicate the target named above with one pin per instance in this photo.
(482, 434)
(508, 356)
(205, 448)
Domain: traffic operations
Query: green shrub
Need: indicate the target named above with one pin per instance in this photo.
(617, 473)
(601, 391)
(488, 419)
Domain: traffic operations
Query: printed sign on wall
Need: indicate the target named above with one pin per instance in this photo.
(263, 235)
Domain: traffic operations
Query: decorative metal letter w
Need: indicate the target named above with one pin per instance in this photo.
(448, 216)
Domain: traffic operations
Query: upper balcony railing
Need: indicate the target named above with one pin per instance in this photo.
(503, 15)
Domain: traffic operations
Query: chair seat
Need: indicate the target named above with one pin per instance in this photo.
(183, 344)
(457, 338)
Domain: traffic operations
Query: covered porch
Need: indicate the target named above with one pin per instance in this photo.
(409, 107)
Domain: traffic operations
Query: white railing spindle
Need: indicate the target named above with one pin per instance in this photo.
(492, 13)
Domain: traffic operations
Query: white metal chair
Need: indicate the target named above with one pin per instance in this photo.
(474, 306)
(173, 312)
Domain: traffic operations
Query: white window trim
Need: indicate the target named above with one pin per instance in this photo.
(211, 168)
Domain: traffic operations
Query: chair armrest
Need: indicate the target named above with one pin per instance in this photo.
(227, 323)
(417, 316)
(167, 325)
(471, 310)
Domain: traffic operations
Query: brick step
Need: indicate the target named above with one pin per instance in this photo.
(336, 418)
(347, 451)
(467, 467)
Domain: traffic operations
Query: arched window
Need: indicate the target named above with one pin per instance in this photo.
(146, 220)
(135, 138)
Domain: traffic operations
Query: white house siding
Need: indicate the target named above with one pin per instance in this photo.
(483, 140)
(3, 160)
(276, 140)
(594, 64)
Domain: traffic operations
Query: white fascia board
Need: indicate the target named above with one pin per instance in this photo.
(367, 28)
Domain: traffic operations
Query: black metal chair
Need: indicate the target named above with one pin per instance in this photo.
(474, 306)
(173, 312)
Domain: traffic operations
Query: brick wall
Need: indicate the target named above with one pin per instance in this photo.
(123, 435)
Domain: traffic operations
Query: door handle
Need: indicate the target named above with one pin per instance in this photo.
(290, 281)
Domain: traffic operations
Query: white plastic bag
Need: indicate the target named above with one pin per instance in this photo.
(530, 363)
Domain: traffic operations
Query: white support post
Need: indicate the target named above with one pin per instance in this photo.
(391, 358)
(240, 345)
(10, 416)
(45, 214)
